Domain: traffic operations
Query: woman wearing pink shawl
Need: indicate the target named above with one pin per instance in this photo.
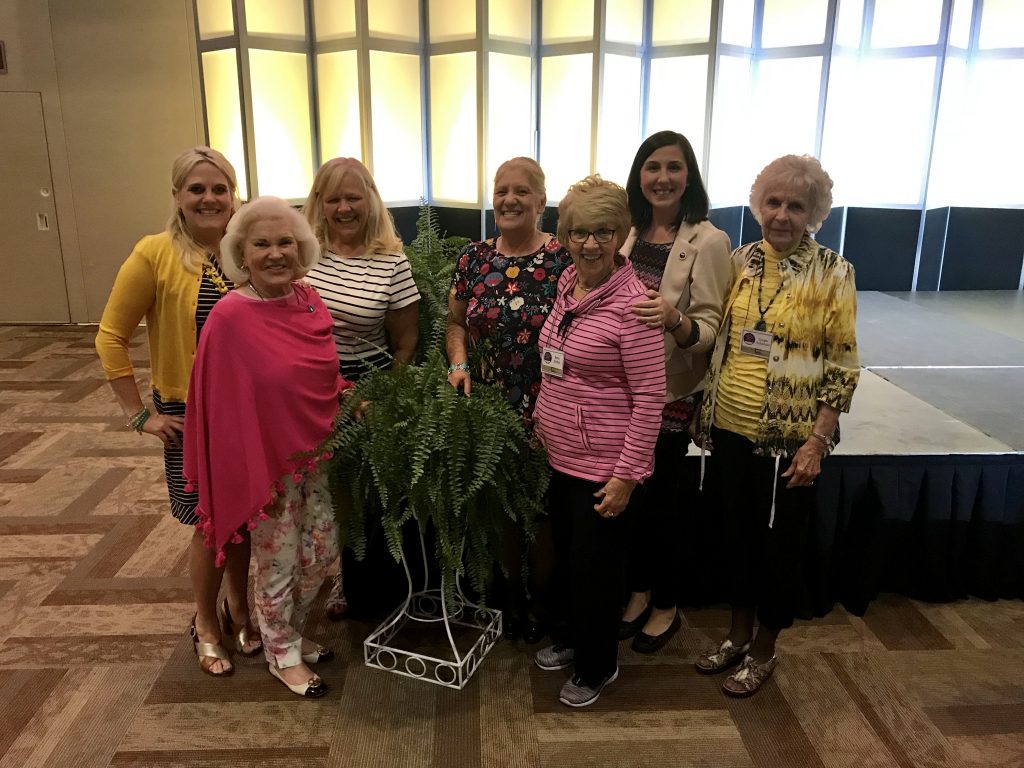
(263, 395)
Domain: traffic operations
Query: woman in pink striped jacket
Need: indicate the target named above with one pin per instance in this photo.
(598, 415)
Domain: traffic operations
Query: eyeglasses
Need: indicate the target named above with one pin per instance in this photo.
(600, 235)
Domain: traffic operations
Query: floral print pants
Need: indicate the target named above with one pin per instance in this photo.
(293, 549)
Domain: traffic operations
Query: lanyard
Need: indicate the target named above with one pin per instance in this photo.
(760, 325)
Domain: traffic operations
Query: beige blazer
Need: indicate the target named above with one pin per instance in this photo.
(698, 277)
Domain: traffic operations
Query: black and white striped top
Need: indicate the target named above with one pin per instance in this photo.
(359, 291)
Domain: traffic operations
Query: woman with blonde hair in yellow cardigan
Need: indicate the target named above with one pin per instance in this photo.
(785, 365)
(173, 279)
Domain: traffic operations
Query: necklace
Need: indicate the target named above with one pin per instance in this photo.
(214, 275)
(584, 290)
(761, 325)
(258, 294)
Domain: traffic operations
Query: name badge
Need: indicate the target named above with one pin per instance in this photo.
(552, 361)
(756, 343)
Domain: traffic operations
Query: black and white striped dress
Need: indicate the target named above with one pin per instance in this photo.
(359, 291)
(183, 503)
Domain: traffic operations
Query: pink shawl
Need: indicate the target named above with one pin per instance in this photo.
(264, 391)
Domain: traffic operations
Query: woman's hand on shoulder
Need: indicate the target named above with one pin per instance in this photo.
(167, 428)
(614, 496)
(655, 311)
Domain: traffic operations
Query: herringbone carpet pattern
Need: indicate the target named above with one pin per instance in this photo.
(96, 668)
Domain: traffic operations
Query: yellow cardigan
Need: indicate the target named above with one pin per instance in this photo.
(152, 283)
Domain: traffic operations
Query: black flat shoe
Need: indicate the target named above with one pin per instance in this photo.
(644, 643)
(629, 628)
(510, 627)
(533, 631)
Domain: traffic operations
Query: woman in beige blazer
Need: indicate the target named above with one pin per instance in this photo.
(683, 260)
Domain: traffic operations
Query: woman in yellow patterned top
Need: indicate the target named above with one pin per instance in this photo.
(784, 367)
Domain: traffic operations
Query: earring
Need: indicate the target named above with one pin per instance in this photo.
(243, 267)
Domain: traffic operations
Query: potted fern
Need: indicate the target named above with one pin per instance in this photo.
(462, 467)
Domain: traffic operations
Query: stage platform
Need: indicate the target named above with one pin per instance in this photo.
(943, 373)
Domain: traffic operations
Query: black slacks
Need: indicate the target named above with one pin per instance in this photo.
(762, 564)
(590, 553)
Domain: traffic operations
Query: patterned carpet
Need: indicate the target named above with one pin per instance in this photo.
(96, 668)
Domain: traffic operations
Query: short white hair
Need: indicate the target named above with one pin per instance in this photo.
(232, 245)
(806, 173)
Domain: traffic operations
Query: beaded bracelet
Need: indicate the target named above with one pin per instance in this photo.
(458, 367)
(136, 422)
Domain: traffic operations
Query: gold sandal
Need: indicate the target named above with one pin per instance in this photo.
(211, 652)
(239, 633)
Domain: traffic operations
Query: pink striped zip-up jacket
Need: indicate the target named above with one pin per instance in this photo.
(601, 418)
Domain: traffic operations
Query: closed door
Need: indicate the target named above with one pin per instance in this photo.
(32, 284)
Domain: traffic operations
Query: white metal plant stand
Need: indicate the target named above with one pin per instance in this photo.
(427, 606)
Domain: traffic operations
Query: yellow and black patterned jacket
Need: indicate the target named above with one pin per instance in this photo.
(814, 347)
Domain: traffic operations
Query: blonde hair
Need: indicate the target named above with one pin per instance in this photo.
(804, 172)
(232, 245)
(381, 236)
(593, 201)
(191, 253)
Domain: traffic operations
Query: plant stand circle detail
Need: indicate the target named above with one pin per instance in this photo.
(427, 606)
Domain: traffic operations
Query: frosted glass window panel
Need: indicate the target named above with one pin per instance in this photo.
(394, 19)
(510, 20)
(737, 22)
(677, 99)
(677, 22)
(618, 132)
(1002, 24)
(624, 21)
(455, 175)
(952, 132)
(452, 20)
(224, 110)
(285, 19)
(850, 23)
(733, 120)
(334, 19)
(566, 110)
(960, 28)
(280, 116)
(567, 22)
(395, 109)
(978, 160)
(877, 129)
(338, 99)
(510, 118)
(791, 127)
(214, 18)
(793, 22)
(906, 22)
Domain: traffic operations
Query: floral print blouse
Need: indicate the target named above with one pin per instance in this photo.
(507, 301)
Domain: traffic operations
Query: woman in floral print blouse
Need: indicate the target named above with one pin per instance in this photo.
(502, 292)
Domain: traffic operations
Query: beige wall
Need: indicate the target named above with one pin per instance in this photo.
(119, 85)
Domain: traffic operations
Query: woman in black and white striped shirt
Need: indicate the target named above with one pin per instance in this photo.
(364, 278)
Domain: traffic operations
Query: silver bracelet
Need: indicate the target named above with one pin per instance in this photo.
(829, 443)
